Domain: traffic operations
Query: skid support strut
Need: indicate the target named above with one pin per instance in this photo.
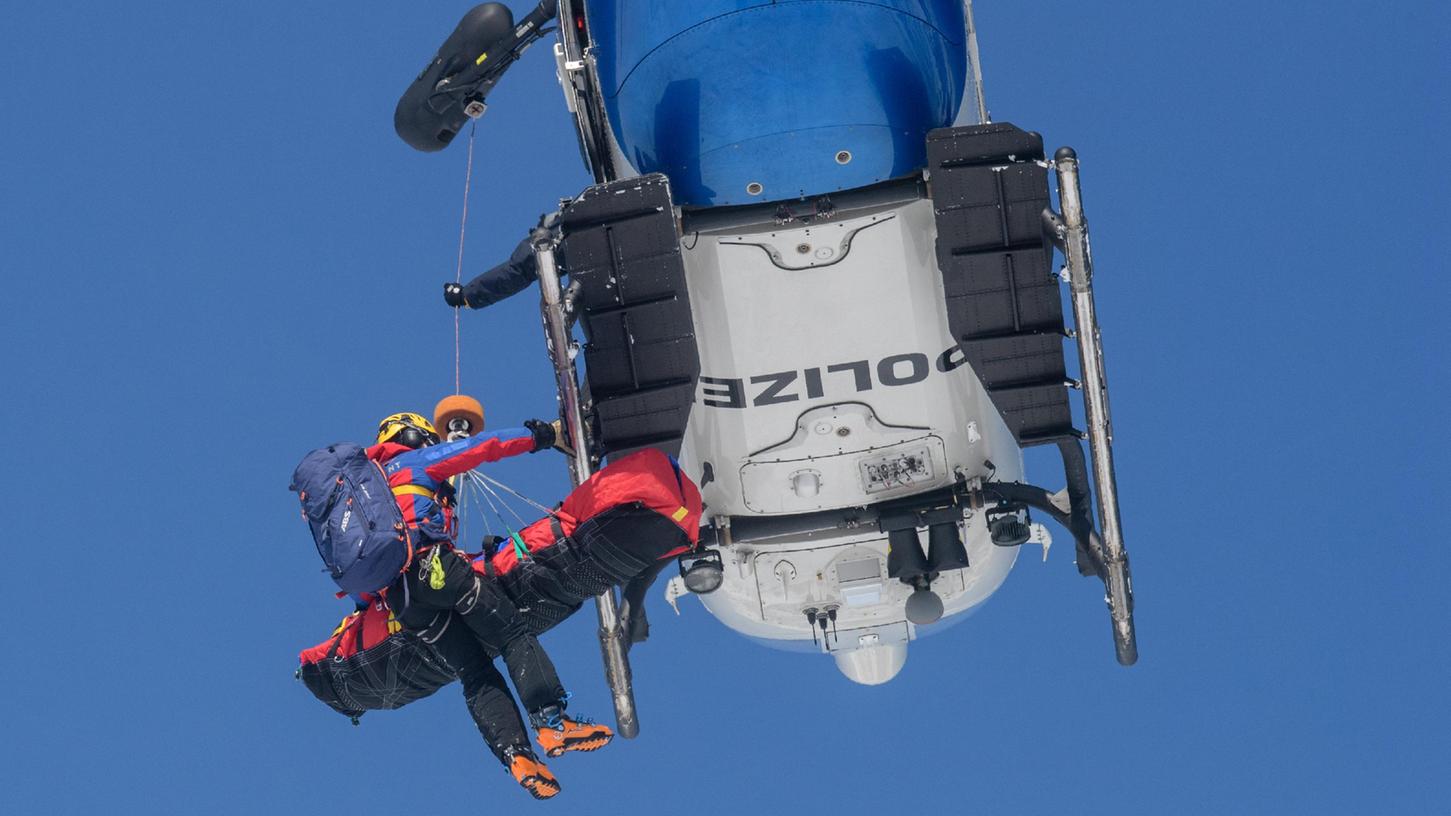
(1073, 234)
(561, 353)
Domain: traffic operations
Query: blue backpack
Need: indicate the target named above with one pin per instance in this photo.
(355, 521)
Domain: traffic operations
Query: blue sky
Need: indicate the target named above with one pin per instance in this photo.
(198, 201)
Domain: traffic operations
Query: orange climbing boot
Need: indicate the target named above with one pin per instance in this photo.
(559, 734)
(531, 774)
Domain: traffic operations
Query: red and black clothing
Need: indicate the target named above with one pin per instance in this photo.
(619, 528)
(616, 529)
(469, 620)
(417, 476)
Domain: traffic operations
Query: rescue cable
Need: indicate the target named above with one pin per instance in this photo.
(520, 551)
(470, 483)
(459, 270)
(479, 480)
(468, 502)
(468, 506)
(536, 505)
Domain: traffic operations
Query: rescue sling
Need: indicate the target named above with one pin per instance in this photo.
(371, 664)
(646, 480)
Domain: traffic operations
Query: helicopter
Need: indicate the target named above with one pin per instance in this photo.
(814, 270)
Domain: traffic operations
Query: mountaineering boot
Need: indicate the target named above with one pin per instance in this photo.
(559, 734)
(530, 773)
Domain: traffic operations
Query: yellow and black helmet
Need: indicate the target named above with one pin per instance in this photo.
(407, 428)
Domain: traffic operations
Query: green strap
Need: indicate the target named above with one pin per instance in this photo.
(521, 551)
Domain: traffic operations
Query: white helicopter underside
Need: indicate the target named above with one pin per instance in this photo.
(834, 383)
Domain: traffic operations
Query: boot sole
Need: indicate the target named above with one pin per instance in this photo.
(539, 787)
(585, 744)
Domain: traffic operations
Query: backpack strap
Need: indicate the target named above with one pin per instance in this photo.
(406, 599)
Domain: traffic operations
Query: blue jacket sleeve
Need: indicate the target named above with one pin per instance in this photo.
(452, 458)
(508, 278)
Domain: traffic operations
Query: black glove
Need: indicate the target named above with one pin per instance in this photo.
(453, 295)
(543, 434)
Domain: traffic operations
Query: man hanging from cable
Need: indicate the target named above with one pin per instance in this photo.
(620, 528)
(502, 280)
(465, 616)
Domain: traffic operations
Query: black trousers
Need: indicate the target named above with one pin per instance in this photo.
(607, 550)
(469, 622)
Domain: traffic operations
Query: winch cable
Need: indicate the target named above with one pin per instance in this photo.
(486, 486)
(472, 502)
(483, 491)
(459, 270)
(471, 505)
(516, 494)
(520, 551)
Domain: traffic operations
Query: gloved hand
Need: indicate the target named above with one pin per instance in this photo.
(453, 295)
(544, 433)
(549, 435)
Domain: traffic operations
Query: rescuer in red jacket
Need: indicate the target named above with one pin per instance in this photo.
(465, 616)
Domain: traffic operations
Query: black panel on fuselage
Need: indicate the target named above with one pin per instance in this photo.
(1003, 301)
(621, 246)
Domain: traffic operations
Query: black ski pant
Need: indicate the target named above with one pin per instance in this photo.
(469, 622)
(621, 546)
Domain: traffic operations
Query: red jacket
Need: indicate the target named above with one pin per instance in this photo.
(418, 477)
(647, 476)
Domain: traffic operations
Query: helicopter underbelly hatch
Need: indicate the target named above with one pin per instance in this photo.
(829, 380)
